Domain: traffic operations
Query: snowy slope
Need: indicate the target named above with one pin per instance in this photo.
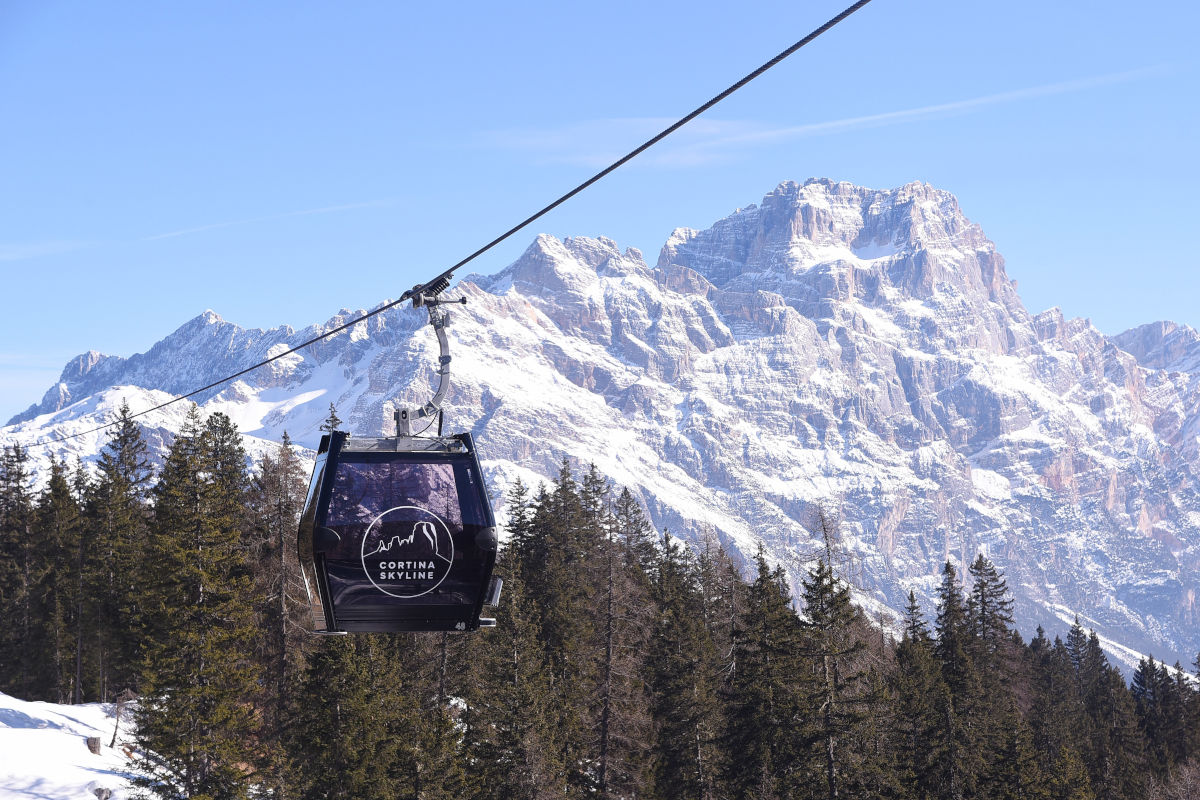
(158, 428)
(44, 753)
(832, 345)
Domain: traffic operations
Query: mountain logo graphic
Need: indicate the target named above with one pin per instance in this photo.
(424, 528)
(407, 551)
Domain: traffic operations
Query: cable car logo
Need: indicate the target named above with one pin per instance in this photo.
(407, 551)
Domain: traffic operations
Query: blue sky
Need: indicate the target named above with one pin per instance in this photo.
(278, 161)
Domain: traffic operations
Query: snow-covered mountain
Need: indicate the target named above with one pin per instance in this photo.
(833, 345)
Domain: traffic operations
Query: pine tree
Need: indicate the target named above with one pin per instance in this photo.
(722, 597)
(555, 569)
(620, 696)
(1115, 756)
(17, 667)
(1077, 651)
(989, 612)
(1013, 773)
(561, 584)
(510, 717)
(996, 658)
(1058, 721)
(762, 700)
(953, 642)
(342, 740)
(1161, 702)
(521, 539)
(54, 587)
(1178, 708)
(629, 520)
(961, 763)
(1193, 706)
(369, 723)
(81, 568)
(414, 671)
(437, 768)
(837, 687)
(915, 626)
(922, 701)
(276, 499)
(118, 529)
(198, 674)
(685, 669)
(333, 421)
(1148, 689)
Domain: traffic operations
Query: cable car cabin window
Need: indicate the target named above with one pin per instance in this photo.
(405, 551)
(402, 540)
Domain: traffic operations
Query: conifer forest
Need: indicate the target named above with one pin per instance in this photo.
(625, 664)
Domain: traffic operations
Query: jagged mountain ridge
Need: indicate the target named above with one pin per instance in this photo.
(832, 344)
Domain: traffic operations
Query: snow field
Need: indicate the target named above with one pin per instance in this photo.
(44, 753)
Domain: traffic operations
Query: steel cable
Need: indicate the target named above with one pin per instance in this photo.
(444, 276)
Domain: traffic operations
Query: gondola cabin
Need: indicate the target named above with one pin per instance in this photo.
(398, 535)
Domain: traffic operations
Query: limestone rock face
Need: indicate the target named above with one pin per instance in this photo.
(832, 345)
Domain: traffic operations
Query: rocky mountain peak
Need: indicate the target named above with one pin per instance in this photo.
(550, 266)
(832, 344)
(914, 238)
(196, 353)
(1162, 345)
(1050, 325)
(838, 253)
(60, 394)
(81, 365)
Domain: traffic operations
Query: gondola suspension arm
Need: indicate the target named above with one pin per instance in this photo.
(427, 296)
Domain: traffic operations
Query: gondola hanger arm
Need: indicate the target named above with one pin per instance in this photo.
(427, 296)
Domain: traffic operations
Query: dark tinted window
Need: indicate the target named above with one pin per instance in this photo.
(400, 536)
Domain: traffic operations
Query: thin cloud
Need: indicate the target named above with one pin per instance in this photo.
(27, 361)
(704, 142)
(940, 109)
(268, 218)
(24, 251)
(597, 143)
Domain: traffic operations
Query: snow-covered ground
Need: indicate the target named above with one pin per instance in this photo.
(44, 752)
